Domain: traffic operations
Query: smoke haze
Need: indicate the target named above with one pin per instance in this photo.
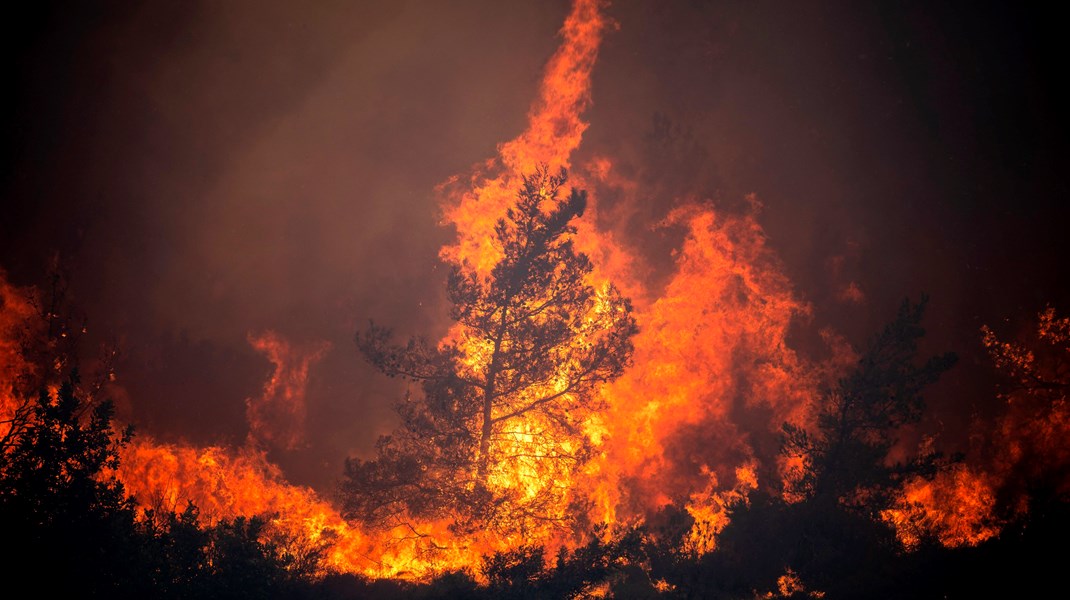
(209, 170)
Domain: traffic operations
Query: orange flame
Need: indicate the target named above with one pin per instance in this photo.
(554, 131)
(225, 483)
(16, 315)
(955, 507)
(1027, 451)
(278, 415)
(712, 373)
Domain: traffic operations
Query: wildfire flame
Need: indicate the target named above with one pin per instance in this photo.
(278, 415)
(709, 347)
(1024, 453)
(474, 204)
(16, 313)
(956, 507)
(691, 422)
(227, 483)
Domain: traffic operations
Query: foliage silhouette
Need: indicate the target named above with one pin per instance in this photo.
(861, 418)
(55, 506)
(61, 506)
(831, 536)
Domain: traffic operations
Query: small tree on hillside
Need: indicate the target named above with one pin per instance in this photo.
(1031, 438)
(497, 427)
(861, 418)
(57, 504)
(830, 535)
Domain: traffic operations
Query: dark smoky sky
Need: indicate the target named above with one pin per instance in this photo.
(209, 169)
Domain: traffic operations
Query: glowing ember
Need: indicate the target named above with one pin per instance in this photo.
(789, 585)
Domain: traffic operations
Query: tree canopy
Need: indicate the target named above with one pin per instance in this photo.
(498, 424)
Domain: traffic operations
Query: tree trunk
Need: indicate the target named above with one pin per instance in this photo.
(488, 401)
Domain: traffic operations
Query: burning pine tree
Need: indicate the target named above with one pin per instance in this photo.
(497, 431)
